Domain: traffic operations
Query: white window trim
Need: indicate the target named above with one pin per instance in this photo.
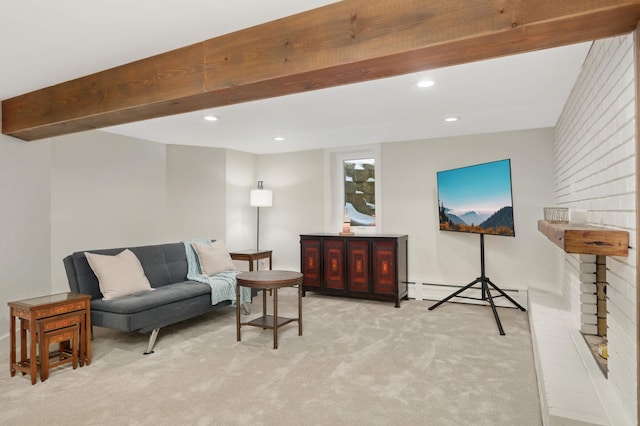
(334, 187)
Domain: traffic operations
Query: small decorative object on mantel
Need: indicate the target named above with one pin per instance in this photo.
(346, 224)
(577, 217)
(556, 214)
(603, 351)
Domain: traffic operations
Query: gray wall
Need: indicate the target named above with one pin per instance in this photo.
(106, 191)
(114, 191)
(196, 192)
(241, 217)
(25, 223)
(409, 201)
(297, 181)
(410, 197)
(111, 191)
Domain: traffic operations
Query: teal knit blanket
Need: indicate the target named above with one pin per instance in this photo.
(223, 285)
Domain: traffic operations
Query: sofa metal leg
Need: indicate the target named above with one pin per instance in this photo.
(152, 341)
(246, 309)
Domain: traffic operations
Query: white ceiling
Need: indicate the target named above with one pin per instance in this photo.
(43, 43)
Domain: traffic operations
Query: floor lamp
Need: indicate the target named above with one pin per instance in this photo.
(260, 198)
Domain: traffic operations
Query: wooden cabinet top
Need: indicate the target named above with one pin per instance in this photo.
(586, 239)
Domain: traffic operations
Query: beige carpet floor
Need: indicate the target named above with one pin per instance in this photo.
(358, 363)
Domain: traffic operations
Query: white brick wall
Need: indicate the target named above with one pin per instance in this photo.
(595, 170)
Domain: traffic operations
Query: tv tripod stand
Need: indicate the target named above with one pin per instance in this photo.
(485, 283)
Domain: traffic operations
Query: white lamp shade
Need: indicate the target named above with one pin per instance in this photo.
(261, 198)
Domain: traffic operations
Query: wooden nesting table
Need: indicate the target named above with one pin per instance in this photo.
(30, 312)
(252, 256)
(269, 280)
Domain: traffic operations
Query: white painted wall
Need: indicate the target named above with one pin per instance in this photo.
(241, 217)
(25, 223)
(410, 207)
(595, 170)
(196, 192)
(106, 191)
(297, 182)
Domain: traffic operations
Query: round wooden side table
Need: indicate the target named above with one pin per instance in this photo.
(269, 280)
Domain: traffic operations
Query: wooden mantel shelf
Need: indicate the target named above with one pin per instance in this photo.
(586, 239)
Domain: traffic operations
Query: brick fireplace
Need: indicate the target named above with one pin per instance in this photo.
(593, 306)
(595, 170)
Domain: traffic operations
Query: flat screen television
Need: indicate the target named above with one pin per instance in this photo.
(477, 199)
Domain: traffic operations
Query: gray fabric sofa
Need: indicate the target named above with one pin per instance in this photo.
(175, 298)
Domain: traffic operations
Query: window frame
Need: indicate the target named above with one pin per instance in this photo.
(335, 188)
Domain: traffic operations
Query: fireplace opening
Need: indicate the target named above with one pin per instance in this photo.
(594, 318)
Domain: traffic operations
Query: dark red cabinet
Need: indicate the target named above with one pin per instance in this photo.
(385, 269)
(333, 258)
(359, 272)
(371, 266)
(311, 260)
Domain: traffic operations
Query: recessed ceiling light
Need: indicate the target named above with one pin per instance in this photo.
(278, 138)
(451, 119)
(211, 118)
(425, 83)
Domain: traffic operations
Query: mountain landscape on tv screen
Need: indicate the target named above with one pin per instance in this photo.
(498, 223)
(474, 218)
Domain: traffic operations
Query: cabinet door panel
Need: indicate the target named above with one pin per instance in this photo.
(358, 264)
(334, 264)
(311, 263)
(385, 273)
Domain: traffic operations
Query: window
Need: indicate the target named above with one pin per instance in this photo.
(354, 188)
(360, 191)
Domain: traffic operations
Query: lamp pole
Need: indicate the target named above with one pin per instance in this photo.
(258, 230)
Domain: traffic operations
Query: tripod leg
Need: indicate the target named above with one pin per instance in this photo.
(493, 307)
(477, 280)
(505, 295)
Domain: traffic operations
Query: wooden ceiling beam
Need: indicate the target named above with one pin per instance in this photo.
(346, 42)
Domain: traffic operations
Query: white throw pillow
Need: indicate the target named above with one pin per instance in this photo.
(214, 258)
(119, 275)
